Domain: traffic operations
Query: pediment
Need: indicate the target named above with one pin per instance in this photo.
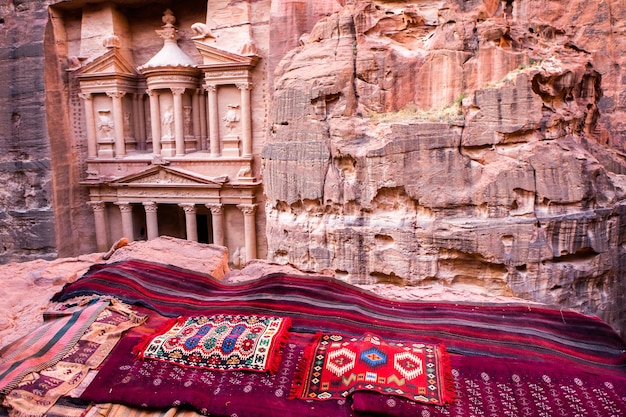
(215, 57)
(111, 63)
(165, 176)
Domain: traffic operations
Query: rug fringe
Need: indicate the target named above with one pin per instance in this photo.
(448, 394)
(276, 357)
(300, 377)
(18, 413)
(144, 341)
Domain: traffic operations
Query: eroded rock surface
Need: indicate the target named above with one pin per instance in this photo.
(463, 143)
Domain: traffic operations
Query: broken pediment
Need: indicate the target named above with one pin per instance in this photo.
(166, 176)
(213, 57)
(109, 64)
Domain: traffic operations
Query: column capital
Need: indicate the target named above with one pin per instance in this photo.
(97, 205)
(124, 207)
(211, 88)
(247, 209)
(244, 86)
(189, 208)
(150, 206)
(178, 90)
(85, 96)
(215, 208)
(152, 93)
(116, 94)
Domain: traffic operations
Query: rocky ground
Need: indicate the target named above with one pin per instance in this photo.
(33, 283)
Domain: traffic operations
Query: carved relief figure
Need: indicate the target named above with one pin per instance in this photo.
(105, 125)
(167, 123)
(127, 126)
(187, 120)
(231, 118)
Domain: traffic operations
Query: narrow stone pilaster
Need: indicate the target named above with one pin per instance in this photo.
(203, 119)
(214, 120)
(155, 121)
(90, 118)
(179, 121)
(118, 120)
(246, 119)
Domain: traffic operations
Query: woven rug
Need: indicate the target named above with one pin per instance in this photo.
(560, 337)
(162, 385)
(336, 366)
(220, 342)
(38, 392)
(48, 344)
(487, 388)
(486, 337)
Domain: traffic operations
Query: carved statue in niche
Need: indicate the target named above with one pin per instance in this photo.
(231, 118)
(167, 123)
(187, 120)
(127, 126)
(105, 125)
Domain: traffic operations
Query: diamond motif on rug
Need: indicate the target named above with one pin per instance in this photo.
(374, 357)
(220, 342)
(335, 366)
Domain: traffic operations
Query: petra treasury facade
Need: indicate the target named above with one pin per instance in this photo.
(170, 141)
(457, 143)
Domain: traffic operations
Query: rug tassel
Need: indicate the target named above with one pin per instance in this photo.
(299, 384)
(448, 391)
(276, 358)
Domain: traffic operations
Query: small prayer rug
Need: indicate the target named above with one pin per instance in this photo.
(219, 342)
(336, 366)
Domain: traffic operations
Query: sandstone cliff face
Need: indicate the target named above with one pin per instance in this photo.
(26, 200)
(459, 142)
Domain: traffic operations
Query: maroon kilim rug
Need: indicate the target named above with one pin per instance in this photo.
(337, 366)
(510, 389)
(507, 360)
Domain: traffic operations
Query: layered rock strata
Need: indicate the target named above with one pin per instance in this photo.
(472, 143)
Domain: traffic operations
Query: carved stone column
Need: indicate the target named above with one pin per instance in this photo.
(92, 146)
(99, 215)
(127, 221)
(179, 121)
(202, 116)
(214, 120)
(155, 121)
(249, 227)
(152, 223)
(217, 222)
(191, 224)
(246, 119)
(118, 119)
